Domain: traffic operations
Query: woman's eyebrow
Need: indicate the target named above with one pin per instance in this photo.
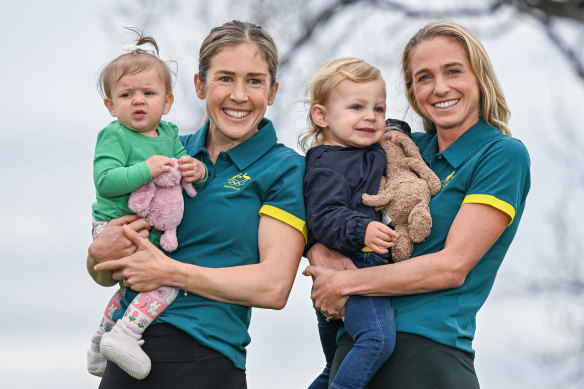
(451, 64)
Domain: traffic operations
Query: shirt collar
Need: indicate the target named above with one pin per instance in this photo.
(246, 153)
(467, 143)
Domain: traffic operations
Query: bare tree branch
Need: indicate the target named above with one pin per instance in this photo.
(424, 13)
(567, 9)
(544, 11)
(310, 26)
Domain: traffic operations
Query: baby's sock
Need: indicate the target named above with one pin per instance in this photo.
(96, 363)
(122, 344)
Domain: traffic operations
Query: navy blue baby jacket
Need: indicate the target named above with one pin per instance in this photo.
(335, 179)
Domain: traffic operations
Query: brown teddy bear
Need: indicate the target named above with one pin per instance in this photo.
(404, 194)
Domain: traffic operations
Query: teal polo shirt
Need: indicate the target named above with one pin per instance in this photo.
(220, 228)
(482, 166)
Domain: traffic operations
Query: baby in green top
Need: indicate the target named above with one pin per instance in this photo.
(131, 152)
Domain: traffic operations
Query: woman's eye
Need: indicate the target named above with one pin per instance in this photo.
(454, 71)
(423, 78)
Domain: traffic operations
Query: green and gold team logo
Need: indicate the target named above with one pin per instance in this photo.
(447, 179)
(237, 181)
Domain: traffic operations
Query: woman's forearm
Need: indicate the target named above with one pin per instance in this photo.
(414, 276)
(474, 230)
(266, 284)
(243, 285)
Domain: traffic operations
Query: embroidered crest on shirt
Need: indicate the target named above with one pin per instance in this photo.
(447, 179)
(237, 181)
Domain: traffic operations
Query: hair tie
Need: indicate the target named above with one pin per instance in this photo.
(143, 48)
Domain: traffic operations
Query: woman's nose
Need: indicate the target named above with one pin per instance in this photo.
(441, 86)
(239, 93)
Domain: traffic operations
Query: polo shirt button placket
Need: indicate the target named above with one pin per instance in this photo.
(221, 164)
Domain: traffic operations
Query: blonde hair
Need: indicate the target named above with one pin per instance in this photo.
(493, 107)
(132, 63)
(331, 74)
(232, 34)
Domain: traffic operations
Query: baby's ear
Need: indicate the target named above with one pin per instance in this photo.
(318, 115)
(109, 104)
(168, 100)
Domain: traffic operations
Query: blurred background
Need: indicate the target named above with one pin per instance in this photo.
(530, 333)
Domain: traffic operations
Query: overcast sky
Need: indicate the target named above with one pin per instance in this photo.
(51, 54)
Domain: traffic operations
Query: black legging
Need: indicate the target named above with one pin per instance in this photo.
(178, 361)
(418, 363)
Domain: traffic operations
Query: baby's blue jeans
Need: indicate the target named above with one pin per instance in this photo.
(371, 323)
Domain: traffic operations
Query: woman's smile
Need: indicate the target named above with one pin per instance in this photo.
(446, 104)
(236, 114)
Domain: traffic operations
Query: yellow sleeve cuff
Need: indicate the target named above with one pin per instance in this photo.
(286, 217)
(501, 205)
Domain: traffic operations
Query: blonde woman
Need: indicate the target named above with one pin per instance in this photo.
(485, 176)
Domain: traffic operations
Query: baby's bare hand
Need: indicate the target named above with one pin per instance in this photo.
(158, 164)
(191, 169)
(379, 237)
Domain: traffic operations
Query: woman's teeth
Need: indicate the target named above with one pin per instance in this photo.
(236, 114)
(446, 104)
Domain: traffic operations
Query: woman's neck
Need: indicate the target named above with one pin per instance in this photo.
(214, 147)
(446, 138)
(217, 143)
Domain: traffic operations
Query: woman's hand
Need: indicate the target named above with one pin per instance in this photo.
(320, 255)
(111, 245)
(324, 264)
(145, 269)
(325, 291)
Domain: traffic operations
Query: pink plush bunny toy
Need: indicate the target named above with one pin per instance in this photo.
(161, 203)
